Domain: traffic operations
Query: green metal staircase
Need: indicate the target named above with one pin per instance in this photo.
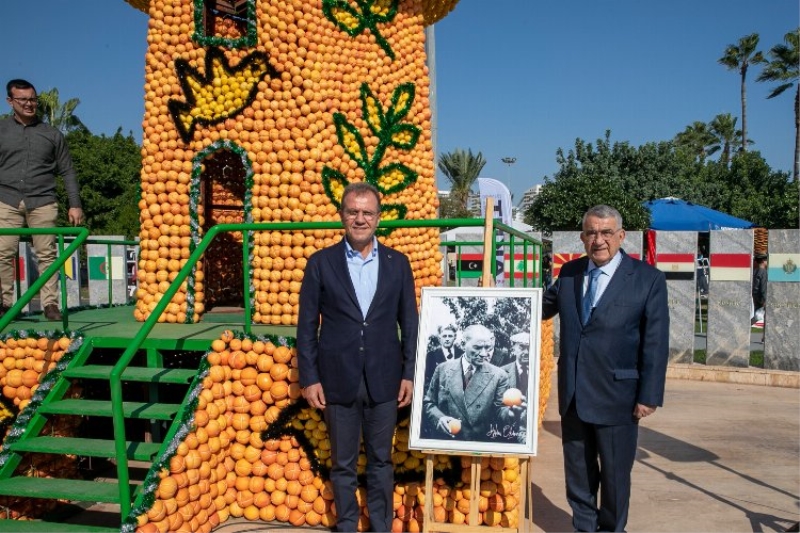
(154, 397)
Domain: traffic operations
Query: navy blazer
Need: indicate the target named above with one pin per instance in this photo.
(336, 345)
(620, 357)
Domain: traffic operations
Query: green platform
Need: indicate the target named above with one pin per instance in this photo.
(118, 322)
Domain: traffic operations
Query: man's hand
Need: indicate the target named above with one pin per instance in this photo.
(75, 216)
(641, 410)
(406, 391)
(443, 425)
(315, 396)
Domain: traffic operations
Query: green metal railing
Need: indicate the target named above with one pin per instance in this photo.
(80, 234)
(134, 346)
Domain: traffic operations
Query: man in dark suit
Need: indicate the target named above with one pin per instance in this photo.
(518, 372)
(612, 367)
(353, 363)
(465, 397)
(446, 350)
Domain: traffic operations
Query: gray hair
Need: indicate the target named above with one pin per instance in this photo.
(359, 188)
(602, 211)
(474, 329)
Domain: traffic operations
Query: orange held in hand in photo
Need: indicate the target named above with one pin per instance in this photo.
(512, 397)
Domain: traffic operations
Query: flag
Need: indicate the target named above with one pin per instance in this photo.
(784, 268)
(522, 267)
(470, 265)
(98, 268)
(71, 267)
(560, 259)
(676, 266)
(730, 267)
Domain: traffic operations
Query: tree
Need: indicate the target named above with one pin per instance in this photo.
(696, 139)
(587, 177)
(108, 171)
(755, 192)
(726, 136)
(739, 57)
(461, 169)
(783, 68)
(60, 116)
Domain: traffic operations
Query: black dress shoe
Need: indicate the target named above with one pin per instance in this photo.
(51, 312)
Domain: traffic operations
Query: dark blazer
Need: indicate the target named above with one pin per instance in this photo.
(620, 357)
(436, 357)
(336, 345)
(478, 407)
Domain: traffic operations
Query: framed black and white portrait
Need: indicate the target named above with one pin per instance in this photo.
(476, 385)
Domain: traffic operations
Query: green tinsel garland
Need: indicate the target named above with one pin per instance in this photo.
(46, 382)
(194, 221)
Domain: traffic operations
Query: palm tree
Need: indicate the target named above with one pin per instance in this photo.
(739, 57)
(461, 169)
(726, 136)
(784, 68)
(696, 139)
(60, 116)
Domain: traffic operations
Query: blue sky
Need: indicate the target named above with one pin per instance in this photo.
(515, 78)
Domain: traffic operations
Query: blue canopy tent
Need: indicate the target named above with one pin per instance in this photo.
(674, 214)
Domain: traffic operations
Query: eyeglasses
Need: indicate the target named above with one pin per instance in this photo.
(24, 101)
(352, 214)
(606, 234)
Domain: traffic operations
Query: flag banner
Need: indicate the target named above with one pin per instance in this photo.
(98, 268)
(501, 200)
(676, 266)
(522, 267)
(561, 259)
(492, 188)
(470, 265)
(783, 268)
(730, 267)
(71, 267)
(19, 272)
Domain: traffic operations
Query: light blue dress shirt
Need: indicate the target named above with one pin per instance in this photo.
(602, 280)
(363, 274)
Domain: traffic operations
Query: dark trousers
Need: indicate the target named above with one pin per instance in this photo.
(598, 456)
(346, 424)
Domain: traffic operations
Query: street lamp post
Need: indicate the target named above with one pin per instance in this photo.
(509, 161)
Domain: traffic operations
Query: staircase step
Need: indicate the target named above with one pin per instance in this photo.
(140, 451)
(134, 373)
(61, 489)
(143, 410)
(40, 526)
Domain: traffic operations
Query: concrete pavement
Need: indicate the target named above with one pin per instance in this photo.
(717, 457)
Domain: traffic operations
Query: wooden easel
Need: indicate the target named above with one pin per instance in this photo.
(526, 500)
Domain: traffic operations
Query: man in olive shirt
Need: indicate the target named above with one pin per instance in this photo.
(32, 154)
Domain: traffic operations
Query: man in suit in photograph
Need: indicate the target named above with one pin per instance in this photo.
(611, 369)
(518, 372)
(464, 399)
(446, 350)
(356, 343)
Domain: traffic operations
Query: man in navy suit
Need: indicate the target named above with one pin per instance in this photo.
(446, 350)
(611, 370)
(354, 365)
